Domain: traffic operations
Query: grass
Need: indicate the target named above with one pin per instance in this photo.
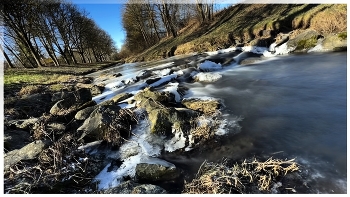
(28, 80)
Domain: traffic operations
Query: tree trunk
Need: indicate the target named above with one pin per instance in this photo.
(8, 60)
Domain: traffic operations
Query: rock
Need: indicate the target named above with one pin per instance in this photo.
(150, 81)
(149, 93)
(117, 75)
(156, 172)
(262, 42)
(148, 189)
(56, 127)
(144, 74)
(281, 39)
(334, 43)
(85, 80)
(121, 97)
(303, 40)
(80, 99)
(15, 139)
(97, 123)
(61, 95)
(130, 187)
(28, 152)
(84, 113)
(25, 124)
(96, 90)
(207, 106)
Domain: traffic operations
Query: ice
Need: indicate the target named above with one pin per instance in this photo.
(209, 66)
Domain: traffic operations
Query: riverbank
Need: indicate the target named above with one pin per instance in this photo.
(81, 137)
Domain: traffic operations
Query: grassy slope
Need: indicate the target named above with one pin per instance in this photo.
(245, 22)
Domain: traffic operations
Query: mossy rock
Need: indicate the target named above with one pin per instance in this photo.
(305, 40)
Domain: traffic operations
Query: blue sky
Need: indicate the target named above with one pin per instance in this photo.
(108, 16)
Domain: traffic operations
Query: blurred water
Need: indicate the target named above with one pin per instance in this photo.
(293, 107)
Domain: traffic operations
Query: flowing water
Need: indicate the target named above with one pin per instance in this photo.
(292, 107)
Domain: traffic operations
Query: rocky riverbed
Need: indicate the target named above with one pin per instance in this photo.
(109, 134)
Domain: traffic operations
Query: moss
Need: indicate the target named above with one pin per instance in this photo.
(307, 43)
(342, 35)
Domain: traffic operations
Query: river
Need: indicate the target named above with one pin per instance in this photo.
(291, 106)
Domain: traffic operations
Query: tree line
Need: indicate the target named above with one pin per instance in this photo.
(146, 22)
(52, 32)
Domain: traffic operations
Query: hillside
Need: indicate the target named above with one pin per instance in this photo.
(251, 24)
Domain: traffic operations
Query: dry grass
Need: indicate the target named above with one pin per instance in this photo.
(331, 20)
(31, 89)
(221, 178)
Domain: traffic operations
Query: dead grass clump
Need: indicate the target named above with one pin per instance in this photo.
(221, 178)
(59, 169)
(331, 20)
(120, 129)
(31, 89)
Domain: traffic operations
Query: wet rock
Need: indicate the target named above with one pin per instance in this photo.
(150, 81)
(187, 74)
(121, 97)
(28, 152)
(144, 74)
(156, 172)
(262, 42)
(117, 75)
(130, 187)
(281, 38)
(149, 93)
(204, 105)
